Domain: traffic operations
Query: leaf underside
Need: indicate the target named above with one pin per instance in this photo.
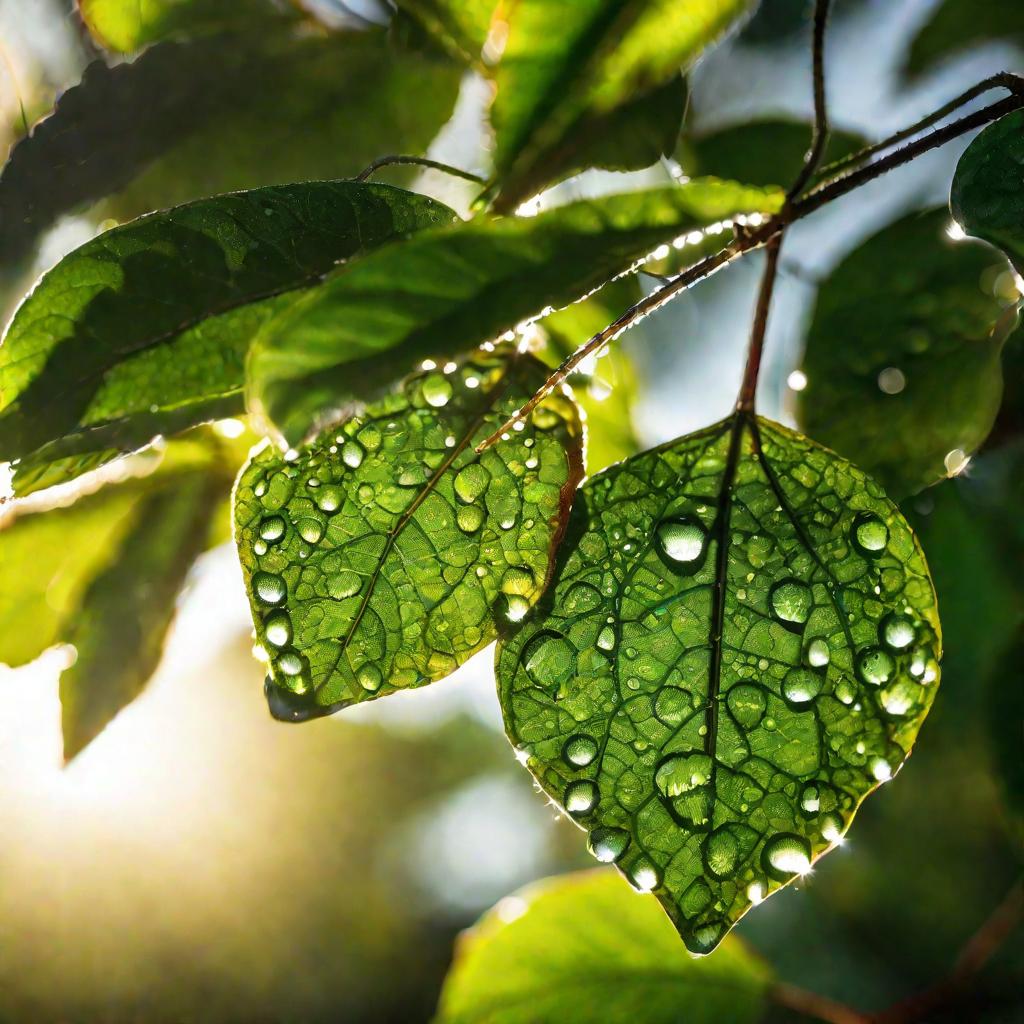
(386, 554)
(740, 643)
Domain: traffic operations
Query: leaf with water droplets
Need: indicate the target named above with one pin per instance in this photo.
(902, 368)
(144, 330)
(388, 551)
(583, 948)
(741, 638)
(987, 195)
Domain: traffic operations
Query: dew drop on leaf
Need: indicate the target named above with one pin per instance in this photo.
(786, 855)
(608, 844)
(580, 796)
(898, 632)
(437, 390)
(875, 666)
(278, 629)
(272, 528)
(580, 750)
(269, 587)
(681, 540)
(869, 533)
(791, 602)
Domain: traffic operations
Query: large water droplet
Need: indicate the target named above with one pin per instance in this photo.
(818, 653)
(800, 686)
(580, 750)
(608, 844)
(787, 854)
(875, 666)
(352, 454)
(721, 853)
(469, 518)
(810, 798)
(869, 533)
(278, 629)
(470, 482)
(369, 677)
(791, 602)
(682, 540)
(644, 876)
(437, 390)
(747, 703)
(580, 797)
(272, 529)
(550, 660)
(269, 587)
(329, 499)
(310, 530)
(898, 631)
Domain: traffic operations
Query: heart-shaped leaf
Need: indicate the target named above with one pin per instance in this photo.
(384, 554)
(740, 643)
(144, 330)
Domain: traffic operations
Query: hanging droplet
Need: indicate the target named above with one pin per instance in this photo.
(580, 797)
(869, 533)
(269, 587)
(787, 854)
(580, 750)
(791, 602)
(278, 629)
(682, 540)
(608, 844)
(644, 876)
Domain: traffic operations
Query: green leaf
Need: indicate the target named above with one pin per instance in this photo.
(144, 330)
(387, 552)
(769, 152)
(903, 354)
(127, 25)
(740, 643)
(461, 26)
(1006, 725)
(563, 65)
(450, 289)
(103, 575)
(957, 25)
(987, 196)
(582, 948)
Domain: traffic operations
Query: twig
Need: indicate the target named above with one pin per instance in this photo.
(819, 137)
(810, 1004)
(748, 390)
(419, 161)
(820, 196)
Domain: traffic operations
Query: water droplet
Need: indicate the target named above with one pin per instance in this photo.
(581, 598)
(682, 773)
(310, 530)
(810, 798)
(352, 454)
(800, 686)
(470, 482)
(272, 528)
(516, 607)
(831, 827)
(869, 533)
(682, 540)
(580, 797)
(608, 844)
(721, 853)
(818, 653)
(329, 499)
(269, 587)
(290, 663)
(437, 390)
(881, 769)
(644, 876)
(747, 703)
(469, 518)
(278, 629)
(875, 666)
(787, 854)
(580, 750)
(606, 638)
(549, 660)
(369, 677)
(845, 691)
(343, 584)
(755, 893)
(791, 602)
(898, 631)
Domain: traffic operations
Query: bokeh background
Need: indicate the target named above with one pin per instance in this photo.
(201, 862)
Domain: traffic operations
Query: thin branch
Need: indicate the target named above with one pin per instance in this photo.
(820, 196)
(810, 1004)
(748, 390)
(819, 138)
(419, 161)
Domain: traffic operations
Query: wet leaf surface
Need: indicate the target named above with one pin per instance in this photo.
(740, 643)
(144, 330)
(583, 948)
(389, 551)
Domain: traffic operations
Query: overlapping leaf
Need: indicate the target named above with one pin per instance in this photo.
(461, 26)
(565, 64)
(903, 354)
(386, 553)
(103, 575)
(987, 196)
(450, 289)
(144, 330)
(740, 643)
(582, 948)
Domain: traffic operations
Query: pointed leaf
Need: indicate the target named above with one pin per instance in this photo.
(153, 319)
(987, 197)
(740, 643)
(384, 555)
(453, 288)
(903, 354)
(564, 63)
(583, 948)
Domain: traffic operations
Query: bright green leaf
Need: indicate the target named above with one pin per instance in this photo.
(461, 26)
(564, 64)
(388, 551)
(957, 25)
(583, 948)
(453, 288)
(740, 643)
(903, 354)
(987, 196)
(144, 330)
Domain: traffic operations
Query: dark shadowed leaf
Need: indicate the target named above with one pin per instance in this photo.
(740, 643)
(584, 948)
(103, 574)
(957, 25)
(461, 26)
(1006, 721)
(453, 288)
(563, 65)
(144, 330)
(386, 553)
(987, 196)
(903, 354)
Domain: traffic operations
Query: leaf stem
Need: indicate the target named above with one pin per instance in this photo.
(748, 390)
(419, 161)
(818, 197)
(810, 1004)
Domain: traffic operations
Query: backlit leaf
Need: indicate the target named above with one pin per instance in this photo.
(903, 354)
(583, 948)
(386, 553)
(461, 26)
(987, 197)
(453, 288)
(144, 330)
(564, 64)
(740, 643)
(956, 25)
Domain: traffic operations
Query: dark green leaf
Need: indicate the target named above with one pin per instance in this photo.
(760, 153)
(739, 645)
(144, 330)
(583, 948)
(959, 24)
(451, 289)
(903, 354)
(563, 65)
(386, 553)
(1006, 721)
(987, 197)
(461, 26)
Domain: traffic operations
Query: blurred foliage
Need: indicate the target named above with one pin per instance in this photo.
(957, 25)
(461, 26)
